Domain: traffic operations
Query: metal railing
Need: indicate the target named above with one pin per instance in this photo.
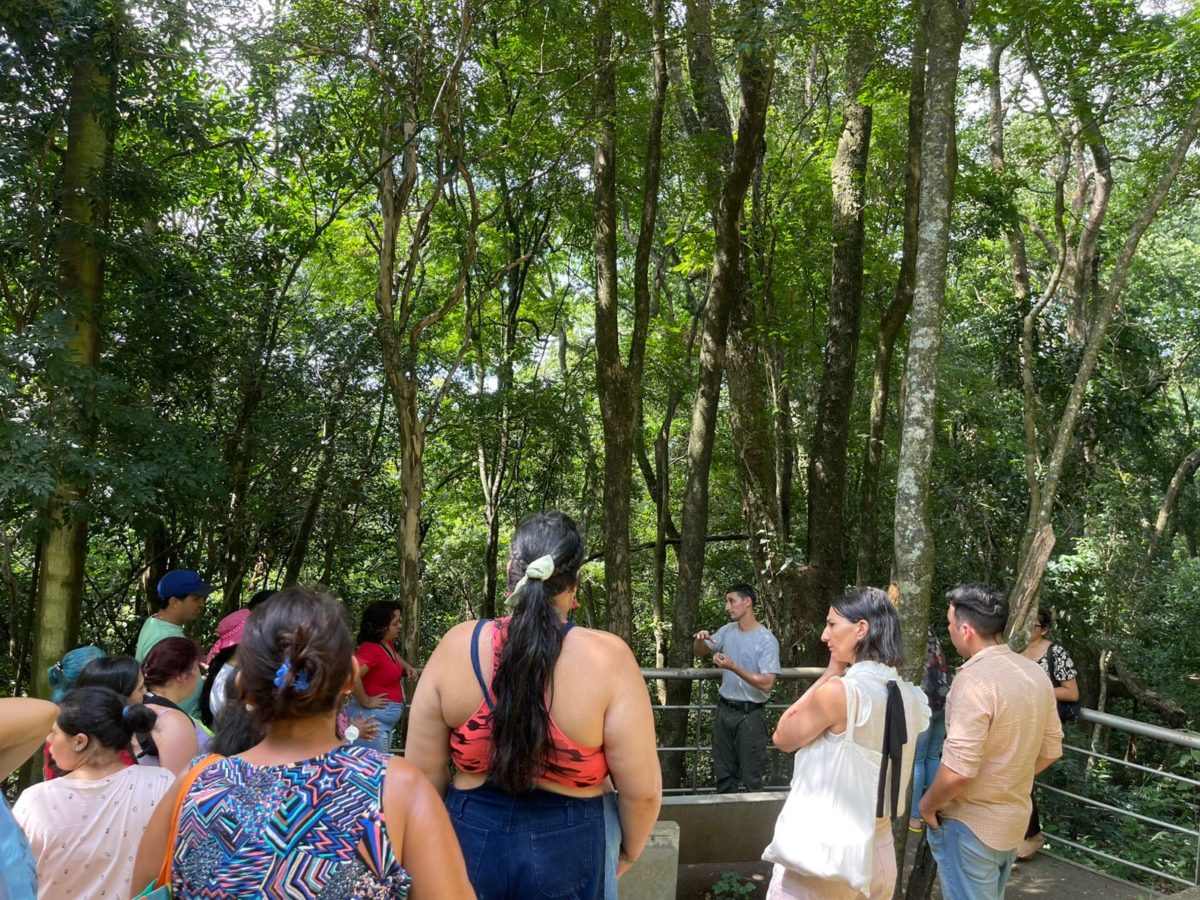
(1093, 765)
(697, 752)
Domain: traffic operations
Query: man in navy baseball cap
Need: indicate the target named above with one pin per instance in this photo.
(182, 594)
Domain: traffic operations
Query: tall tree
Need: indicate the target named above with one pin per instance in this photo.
(619, 380)
(947, 22)
(896, 314)
(828, 457)
(728, 181)
(84, 207)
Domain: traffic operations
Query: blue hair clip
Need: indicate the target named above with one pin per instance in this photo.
(299, 682)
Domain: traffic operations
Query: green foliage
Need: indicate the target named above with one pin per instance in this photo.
(731, 885)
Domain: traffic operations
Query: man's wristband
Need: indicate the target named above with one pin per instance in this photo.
(625, 857)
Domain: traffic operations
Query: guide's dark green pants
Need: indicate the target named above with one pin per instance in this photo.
(739, 747)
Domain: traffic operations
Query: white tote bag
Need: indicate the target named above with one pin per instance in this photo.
(827, 826)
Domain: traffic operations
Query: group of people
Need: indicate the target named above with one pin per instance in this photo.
(277, 783)
(975, 742)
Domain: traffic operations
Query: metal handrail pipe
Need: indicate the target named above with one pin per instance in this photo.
(694, 674)
(1142, 729)
(1158, 773)
(1087, 801)
(1124, 862)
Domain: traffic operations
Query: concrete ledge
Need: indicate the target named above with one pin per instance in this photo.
(655, 874)
(723, 827)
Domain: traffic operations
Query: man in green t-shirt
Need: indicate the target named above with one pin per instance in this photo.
(182, 594)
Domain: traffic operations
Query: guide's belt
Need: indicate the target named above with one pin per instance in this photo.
(741, 705)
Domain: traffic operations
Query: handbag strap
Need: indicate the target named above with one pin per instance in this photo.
(852, 709)
(895, 736)
(185, 785)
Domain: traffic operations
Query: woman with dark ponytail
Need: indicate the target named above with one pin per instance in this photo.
(84, 827)
(541, 720)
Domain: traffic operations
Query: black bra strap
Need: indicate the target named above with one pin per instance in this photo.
(483, 685)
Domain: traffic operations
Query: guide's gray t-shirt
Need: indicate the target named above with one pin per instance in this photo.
(755, 651)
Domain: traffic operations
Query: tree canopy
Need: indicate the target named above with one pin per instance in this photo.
(903, 294)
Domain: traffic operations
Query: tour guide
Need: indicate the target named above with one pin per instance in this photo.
(749, 654)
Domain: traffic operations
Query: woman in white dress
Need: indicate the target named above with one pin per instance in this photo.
(862, 631)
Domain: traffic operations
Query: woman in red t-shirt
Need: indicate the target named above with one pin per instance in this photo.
(377, 690)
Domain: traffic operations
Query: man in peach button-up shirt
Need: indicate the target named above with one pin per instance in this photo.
(1002, 728)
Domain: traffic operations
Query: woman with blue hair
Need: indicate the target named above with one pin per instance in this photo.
(64, 674)
(64, 677)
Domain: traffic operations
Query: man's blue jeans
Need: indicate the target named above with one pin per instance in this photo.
(967, 867)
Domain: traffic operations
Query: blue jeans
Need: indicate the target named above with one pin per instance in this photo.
(386, 716)
(928, 758)
(535, 845)
(968, 868)
(612, 845)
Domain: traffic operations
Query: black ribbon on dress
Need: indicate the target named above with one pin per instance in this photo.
(895, 736)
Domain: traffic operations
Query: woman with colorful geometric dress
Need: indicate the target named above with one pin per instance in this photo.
(302, 814)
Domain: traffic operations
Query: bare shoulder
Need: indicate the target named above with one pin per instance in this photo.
(602, 644)
(402, 773)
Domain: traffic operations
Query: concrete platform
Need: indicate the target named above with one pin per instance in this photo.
(1042, 878)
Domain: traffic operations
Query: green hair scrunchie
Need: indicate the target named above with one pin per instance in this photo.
(538, 570)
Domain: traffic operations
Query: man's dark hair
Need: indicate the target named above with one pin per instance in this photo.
(982, 607)
(744, 590)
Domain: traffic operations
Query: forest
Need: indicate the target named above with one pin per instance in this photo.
(806, 294)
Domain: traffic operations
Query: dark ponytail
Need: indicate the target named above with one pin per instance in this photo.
(295, 655)
(102, 714)
(521, 717)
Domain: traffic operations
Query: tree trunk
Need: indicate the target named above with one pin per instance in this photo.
(81, 282)
(157, 563)
(412, 490)
(618, 381)
(1040, 514)
(1185, 471)
(755, 71)
(750, 424)
(299, 548)
(895, 316)
(913, 547)
(831, 431)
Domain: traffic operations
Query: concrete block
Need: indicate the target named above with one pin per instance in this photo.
(655, 874)
(716, 828)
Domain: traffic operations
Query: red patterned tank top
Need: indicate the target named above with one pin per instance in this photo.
(567, 763)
